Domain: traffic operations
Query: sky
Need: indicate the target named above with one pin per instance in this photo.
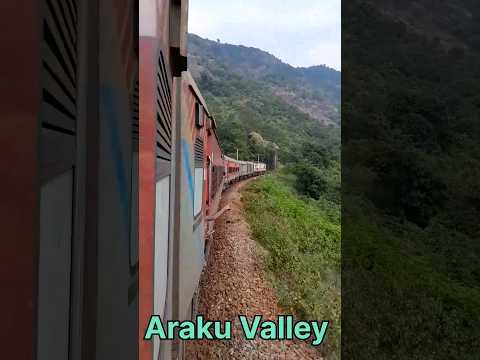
(298, 32)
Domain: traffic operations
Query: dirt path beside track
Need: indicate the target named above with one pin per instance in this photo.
(234, 283)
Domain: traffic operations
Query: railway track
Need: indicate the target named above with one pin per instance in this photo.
(234, 283)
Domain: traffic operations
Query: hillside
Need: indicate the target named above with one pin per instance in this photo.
(249, 90)
(300, 238)
(453, 24)
(314, 90)
(410, 162)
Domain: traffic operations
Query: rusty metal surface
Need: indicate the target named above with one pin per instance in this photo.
(162, 35)
(154, 44)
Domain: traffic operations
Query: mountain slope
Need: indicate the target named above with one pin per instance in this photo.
(410, 181)
(249, 90)
(314, 90)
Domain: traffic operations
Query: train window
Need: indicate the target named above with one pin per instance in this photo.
(197, 204)
(198, 177)
(199, 115)
(56, 218)
(162, 190)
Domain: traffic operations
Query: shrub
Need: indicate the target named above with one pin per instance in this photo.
(310, 180)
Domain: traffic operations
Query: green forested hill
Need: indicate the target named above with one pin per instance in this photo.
(248, 90)
(411, 170)
(260, 65)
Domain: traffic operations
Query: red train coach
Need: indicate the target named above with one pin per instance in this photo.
(162, 35)
(214, 164)
(232, 169)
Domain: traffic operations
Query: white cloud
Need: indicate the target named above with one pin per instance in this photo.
(300, 32)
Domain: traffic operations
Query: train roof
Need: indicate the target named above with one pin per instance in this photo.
(196, 91)
(193, 85)
(240, 161)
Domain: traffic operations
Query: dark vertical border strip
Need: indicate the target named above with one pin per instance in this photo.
(37, 183)
(91, 214)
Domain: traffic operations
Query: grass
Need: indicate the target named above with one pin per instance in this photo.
(301, 237)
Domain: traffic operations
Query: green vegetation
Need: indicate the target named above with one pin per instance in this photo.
(411, 160)
(410, 291)
(243, 106)
(294, 213)
(317, 182)
(301, 237)
(241, 87)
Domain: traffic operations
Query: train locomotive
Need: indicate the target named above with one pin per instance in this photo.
(182, 174)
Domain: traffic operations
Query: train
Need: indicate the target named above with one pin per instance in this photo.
(183, 172)
(112, 175)
(69, 143)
